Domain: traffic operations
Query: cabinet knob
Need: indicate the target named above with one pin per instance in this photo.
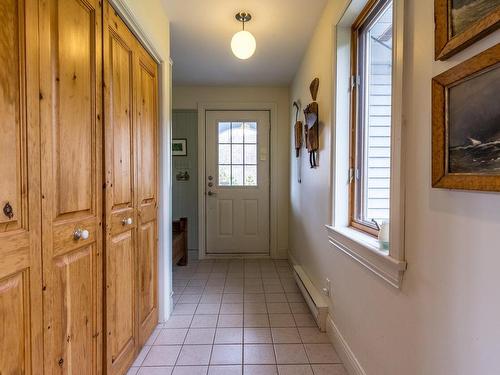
(81, 234)
(127, 221)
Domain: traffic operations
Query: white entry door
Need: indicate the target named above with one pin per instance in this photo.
(237, 182)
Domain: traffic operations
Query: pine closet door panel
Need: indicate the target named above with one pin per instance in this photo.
(121, 213)
(147, 182)
(20, 231)
(71, 133)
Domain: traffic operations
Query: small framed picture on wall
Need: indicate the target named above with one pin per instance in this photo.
(179, 147)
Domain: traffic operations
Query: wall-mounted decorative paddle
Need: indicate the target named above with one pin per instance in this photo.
(298, 140)
(312, 124)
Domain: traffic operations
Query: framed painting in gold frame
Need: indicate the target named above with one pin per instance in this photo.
(466, 124)
(459, 23)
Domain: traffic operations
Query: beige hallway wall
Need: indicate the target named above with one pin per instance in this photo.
(445, 320)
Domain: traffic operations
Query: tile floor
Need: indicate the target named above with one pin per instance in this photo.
(234, 317)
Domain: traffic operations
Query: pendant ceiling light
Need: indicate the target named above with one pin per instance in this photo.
(243, 43)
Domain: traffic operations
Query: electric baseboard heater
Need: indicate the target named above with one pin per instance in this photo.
(313, 297)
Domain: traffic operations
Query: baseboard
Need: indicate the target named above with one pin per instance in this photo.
(351, 364)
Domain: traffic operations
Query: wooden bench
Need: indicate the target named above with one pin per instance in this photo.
(180, 242)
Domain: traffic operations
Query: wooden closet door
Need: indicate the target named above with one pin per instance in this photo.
(71, 133)
(20, 241)
(121, 213)
(147, 192)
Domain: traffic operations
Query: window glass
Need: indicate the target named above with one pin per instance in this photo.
(237, 153)
(373, 125)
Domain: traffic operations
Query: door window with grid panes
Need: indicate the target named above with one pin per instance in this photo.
(237, 153)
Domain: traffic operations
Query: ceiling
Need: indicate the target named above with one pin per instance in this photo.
(201, 32)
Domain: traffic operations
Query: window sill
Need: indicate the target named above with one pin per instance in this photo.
(365, 250)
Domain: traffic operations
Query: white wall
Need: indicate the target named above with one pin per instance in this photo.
(188, 97)
(151, 17)
(446, 318)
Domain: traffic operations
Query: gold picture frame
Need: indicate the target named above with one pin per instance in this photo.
(465, 131)
(459, 27)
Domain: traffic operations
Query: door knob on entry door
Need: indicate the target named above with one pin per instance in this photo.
(127, 221)
(81, 234)
(211, 193)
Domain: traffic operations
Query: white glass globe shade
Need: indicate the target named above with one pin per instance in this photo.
(243, 44)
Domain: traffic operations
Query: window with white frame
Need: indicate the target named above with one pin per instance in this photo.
(371, 117)
(368, 183)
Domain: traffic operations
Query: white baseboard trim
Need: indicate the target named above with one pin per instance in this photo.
(351, 364)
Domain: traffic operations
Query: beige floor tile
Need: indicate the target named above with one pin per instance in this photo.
(184, 309)
(213, 289)
(290, 354)
(295, 370)
(200, 336)
(278, 308)
(299, 307)
(225, 370)
(230, 321)
(189, 298)
(226, 355)
(194, 355)
(165, 370)
(276, 298)
(329, 370)
(211, 298)
(257, 336)
(150, 341)
(254, 297)
(208, 308)
(231, 308)
(204, 321)
(271, 281)
(195, 282)
(254, 289)
(312, 335)
(286, 335)
(255, 308)
(229, 336)
(321, 353)
(233, 289)
(190, 370)
(173, 336)
(217, 280)
(232, 298)
(304, 320)
(260, 370)
(141, 356)
(255, 281)
(281, 320)
(256, 320)
(178, 321)
(273, 289)
(258, 354)
(162, 356)
(193, 290)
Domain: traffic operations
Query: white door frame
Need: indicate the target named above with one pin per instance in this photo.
(273, 206)
(165, 189)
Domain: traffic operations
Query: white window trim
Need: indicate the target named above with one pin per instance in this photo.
(360, 246)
